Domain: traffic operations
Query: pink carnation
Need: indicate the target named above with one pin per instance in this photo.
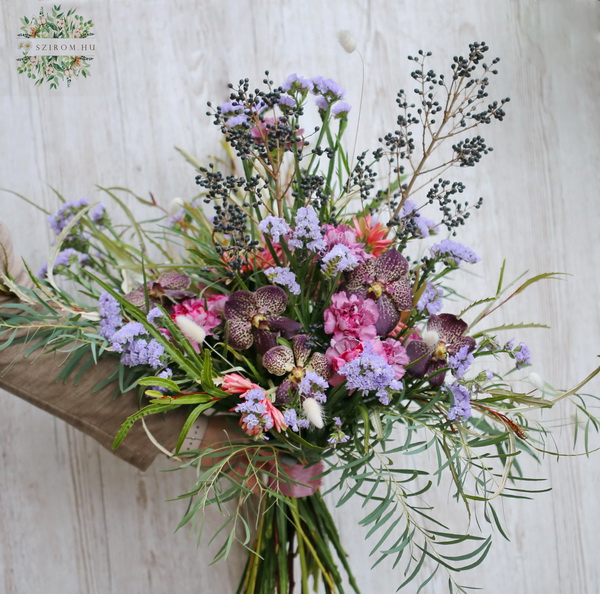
(395, 354)
(352, 316)
(216, 303)
(195, 310)
(341, 352)
(346, 236)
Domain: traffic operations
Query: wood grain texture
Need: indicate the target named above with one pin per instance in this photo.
(74, 519)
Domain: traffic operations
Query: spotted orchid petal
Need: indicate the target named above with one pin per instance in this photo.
(301, 348)
(270, 300)
(388, 267)
(240, 305)
(448, 326)
(136, 297)
(320, 365)
(279, 360)
(462, 341)
(174, 281)
(400, 293)
(240, 334)
(435, 375)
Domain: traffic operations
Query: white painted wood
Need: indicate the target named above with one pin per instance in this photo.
(75, 519)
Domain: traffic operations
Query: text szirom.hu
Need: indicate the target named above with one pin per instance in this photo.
(62, 47)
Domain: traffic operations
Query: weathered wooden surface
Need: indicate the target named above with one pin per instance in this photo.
(73, 518)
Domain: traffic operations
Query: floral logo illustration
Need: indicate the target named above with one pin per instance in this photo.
(46, 61)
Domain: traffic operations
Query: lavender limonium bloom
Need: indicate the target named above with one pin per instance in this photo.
(461, 409)
(454, 252)
(307, 232)
(460, 361)
(431, 299)
(110, 315)
(370, 373)
(283, 277)
(339, 259)
(276, 227)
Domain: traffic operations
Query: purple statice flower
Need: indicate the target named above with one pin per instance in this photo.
(231, 107)
(65, 213)
(423, 225)
(314, 386)
(286, 101)
(238, 120)
(276, 227)
(98, 215)
(370, 373)
(328, 88)
(341, 109)
(295, 83)
(110, 315)
(454, 251)
(460, 361)
(290, 418)
(307, 230)
(488, 374)
(126, 334)
(43, 271)
(461, 409)
(431, 299)
(321, 103)
(143, 352)
(153, 314)
(339, 259)
(70, 256)
(176, 219)
(284, 277)
(510, 345)
(522, 355)
(165, 374)
(337, 435)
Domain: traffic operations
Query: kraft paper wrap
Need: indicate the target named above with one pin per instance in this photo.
(98, 414)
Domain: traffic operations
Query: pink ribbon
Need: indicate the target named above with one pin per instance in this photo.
(305, 484)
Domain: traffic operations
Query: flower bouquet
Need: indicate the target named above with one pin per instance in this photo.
(302, 294)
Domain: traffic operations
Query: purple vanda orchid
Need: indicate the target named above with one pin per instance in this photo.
(296, 362)
(170, 285)
(254, 318)
(444, 337)
(385, 280)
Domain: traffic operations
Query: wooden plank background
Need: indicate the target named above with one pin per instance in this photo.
(74, 519)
